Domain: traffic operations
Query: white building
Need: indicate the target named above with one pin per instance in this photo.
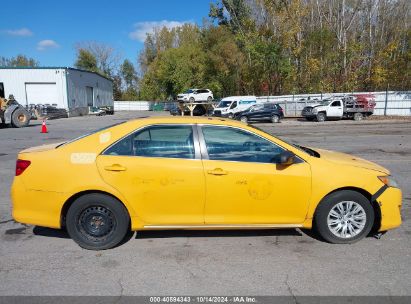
(63, 87)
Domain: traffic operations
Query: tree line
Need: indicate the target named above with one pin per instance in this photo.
(272, 47)
(264, 47)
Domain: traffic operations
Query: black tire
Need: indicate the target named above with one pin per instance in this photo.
(321, 117)
(323, 214)
(87, 216)
(191, 99)
(358, 117)
(20, 118)
(244, 119)
(275, 119)
(209, 99)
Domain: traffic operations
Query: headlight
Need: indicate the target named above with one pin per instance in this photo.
(314, 111)
(389, 181)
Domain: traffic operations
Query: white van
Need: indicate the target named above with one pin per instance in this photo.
(228, 106)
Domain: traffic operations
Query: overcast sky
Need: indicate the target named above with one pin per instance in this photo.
(49, 30)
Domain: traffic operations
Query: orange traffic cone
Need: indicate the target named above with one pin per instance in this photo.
(44, 127)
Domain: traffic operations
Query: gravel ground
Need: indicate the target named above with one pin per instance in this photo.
(40, 261)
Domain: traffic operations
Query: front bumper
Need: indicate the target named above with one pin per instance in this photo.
(42, 208)
(390, 202)
(305, 113)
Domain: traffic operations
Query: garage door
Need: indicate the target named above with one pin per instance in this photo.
(41, 93)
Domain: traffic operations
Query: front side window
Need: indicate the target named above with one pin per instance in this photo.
(257, 108)
(231, 144)
(336, 104)
(157, 141)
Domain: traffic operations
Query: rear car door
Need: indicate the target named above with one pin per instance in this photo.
(335, 109)
(257, 113)
(159, 171)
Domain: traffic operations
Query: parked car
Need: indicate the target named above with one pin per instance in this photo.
(261, 112)
(198, 173)
(195, 95)
(229, 106)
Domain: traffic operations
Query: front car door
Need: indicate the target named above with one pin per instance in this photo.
(256, 112)
(245, 184)
(159, 171)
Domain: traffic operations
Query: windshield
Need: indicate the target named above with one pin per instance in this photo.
(325, 102)
(224, 103)
(188, 91)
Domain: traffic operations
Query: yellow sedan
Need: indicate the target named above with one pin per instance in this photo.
(198, 173)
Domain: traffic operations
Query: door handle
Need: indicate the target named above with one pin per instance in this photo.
(217, 171)
(115, 167)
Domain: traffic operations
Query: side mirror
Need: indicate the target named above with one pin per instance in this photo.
(287, 158)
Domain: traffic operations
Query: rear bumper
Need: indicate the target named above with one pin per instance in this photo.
(42, 208)
(390, 202)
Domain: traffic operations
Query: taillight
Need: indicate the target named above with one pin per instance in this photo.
(21, 165)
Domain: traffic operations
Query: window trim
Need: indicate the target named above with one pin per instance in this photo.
(197, 153)
(204, 151)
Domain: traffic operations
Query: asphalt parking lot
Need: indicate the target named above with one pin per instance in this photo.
(41, 261)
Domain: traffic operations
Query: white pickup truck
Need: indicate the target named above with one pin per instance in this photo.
(352, 107)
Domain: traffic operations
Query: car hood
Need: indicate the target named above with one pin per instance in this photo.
(314, 105)
(41, 148)
(350, 160)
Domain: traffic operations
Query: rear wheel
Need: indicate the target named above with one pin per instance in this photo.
(97, 221)
(244, 119)
(191, 99)
(20, 118)
(344, 217)
(358, 116)
(275, 119)
(321, 117)
(209, 99)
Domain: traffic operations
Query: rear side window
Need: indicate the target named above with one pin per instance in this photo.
(157, 141)
(231, 144)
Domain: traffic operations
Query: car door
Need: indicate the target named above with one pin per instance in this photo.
(201, 95)
(335, 109)
(159, 171)
(245, 184)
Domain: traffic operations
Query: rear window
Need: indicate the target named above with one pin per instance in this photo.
(88, 134)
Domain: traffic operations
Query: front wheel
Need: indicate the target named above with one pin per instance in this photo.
(97, 221)
(209, 99)
(344, 217)
(191, 99)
